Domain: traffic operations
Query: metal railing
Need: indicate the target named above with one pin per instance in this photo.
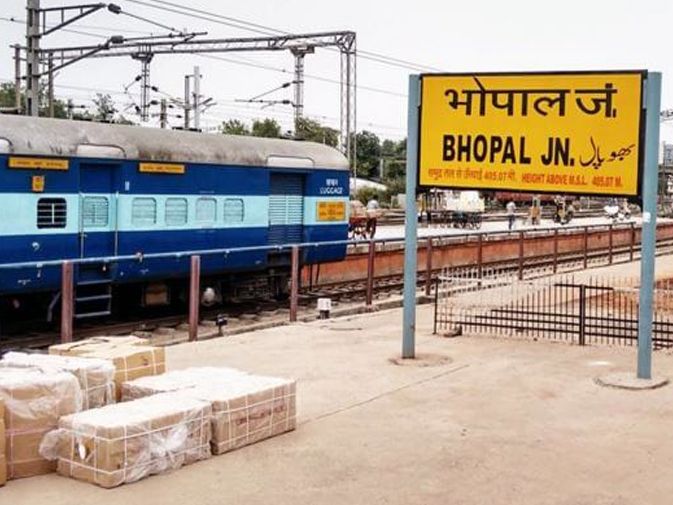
(580, 308)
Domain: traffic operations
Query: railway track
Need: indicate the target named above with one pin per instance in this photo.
(264, 312)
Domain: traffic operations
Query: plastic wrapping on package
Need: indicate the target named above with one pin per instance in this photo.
(246, 408)
(34, 401)
(95, 376)
(129, 441)
(177, 380)
(251, 409)
(131, 359)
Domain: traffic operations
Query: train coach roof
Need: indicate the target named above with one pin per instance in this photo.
(57, 137)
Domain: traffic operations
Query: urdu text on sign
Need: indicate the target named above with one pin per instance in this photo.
(539, 132)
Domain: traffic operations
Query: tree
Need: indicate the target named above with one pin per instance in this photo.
(105, 108)
(234, 127)
(368, 153)
(308, 129)
(266, 128)
(8, 97)
(388, 148)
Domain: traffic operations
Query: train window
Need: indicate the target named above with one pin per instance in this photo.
(95, 212)
(144, 211)
(233, 210)
(51, 213)
(176, 211)
(206, 210)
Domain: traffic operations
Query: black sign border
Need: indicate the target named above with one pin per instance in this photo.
(641, 132)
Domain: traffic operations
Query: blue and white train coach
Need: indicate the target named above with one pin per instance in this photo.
(85, 190)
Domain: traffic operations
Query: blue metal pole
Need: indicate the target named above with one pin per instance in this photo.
(410, 223)
(649, 229)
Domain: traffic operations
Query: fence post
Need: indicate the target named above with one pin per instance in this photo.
(67, 300)
(370, 274)
(480, 254)
(434, 325)
(585, 260)
(194, 297)
(520, 255)
(428, 268)
(633, 240)
(610, 244)
(555, 250)
(583, 314)
(294, 284)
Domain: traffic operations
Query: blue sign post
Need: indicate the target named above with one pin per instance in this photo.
(649, 227)
(410, 222)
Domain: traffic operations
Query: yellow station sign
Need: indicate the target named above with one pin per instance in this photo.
(538, 132)
(331, 211)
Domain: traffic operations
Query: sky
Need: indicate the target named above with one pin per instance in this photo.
(452, 36)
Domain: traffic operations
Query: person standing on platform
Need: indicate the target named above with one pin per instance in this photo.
(511, 209)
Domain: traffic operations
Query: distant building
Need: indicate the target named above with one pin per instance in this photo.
(668, 155)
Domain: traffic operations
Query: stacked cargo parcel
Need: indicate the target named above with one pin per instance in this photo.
(131, 357)
(129, 441)
(34, 401)
(95, 376)
(245, 408)
(58, 412)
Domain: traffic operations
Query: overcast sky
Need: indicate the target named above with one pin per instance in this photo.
(478, 35)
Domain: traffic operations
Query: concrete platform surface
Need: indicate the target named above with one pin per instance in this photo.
(500, 422)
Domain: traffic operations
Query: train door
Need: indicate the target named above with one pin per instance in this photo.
(98, 238)
(98, 210)
(286, 209)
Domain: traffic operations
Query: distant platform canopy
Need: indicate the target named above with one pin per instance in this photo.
(59, 137)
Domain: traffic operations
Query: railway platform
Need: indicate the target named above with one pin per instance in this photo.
(474, 420)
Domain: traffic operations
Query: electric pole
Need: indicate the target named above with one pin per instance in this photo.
(197, 98)
(299, 54)
(188, 101)
(32, 57)
(163, 114)
(145, 59)
(50, 86)
(17, 78)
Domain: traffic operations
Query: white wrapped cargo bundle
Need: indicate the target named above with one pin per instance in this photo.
(34, 401)
(245, 408)
(95, 376)
(177, 380)
(129, 441)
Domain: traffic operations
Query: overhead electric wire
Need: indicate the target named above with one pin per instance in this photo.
(87, 27)
(267, 30)
(308, 76)
(223, 104)
(69, 30)
(244, 62)
(264, 30)
(140, 18)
